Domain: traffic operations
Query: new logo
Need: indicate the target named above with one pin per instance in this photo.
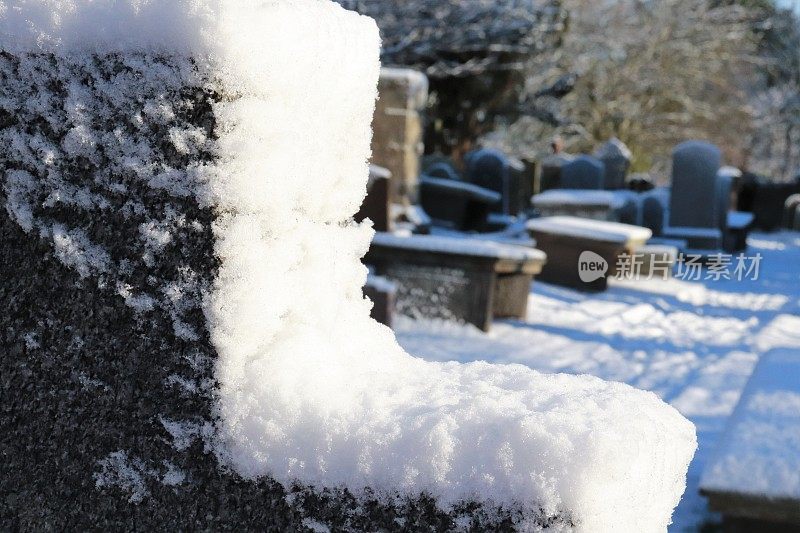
(591, 266)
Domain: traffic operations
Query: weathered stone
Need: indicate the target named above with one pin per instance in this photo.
(398, 128)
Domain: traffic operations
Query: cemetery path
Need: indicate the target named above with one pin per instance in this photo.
(694, 343)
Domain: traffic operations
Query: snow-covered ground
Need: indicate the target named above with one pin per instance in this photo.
(694, 343)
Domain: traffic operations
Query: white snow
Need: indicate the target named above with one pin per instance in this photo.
(457, 246)
(76, 250)
(694, 343)
(310, 388)
(759, 454)
(555, 197)
(590, 229)
(313, 390)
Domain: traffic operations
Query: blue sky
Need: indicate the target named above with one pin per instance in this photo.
(790, 3)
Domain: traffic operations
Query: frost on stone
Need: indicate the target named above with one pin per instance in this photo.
(261, 111)
(173, 476)
(184, 432)
(75, 250)
(125, 473)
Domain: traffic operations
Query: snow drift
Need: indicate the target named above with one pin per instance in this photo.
(309, 388)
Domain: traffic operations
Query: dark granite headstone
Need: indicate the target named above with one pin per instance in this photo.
(768, 202)
(488, 168)
(109, 414)
(550, 173)
(456, 204)
(493, 170)
(693, 202)
(442, 170)
(616, 158)
(583, 172)
(654, 206)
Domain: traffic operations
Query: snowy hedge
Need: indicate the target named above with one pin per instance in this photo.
(185, 315)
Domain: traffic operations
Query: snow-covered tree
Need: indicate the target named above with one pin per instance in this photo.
(651, 74)
(476, 54)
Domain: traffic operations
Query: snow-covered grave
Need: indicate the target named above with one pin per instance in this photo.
(755, 472)
(186, 340)
(572, 242)
(585, 203)
(465, 280)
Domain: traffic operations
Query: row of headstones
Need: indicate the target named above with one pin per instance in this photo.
(492, 189)
(694, 212)
(607, 169)
(493, 170)
(766, 200)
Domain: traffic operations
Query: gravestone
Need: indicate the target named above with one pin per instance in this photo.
(654, 209)
(456, 204)
(694, 201)
(550, 171)
(488, 168)
(791, 212)
(398, 129)
(456, 279)
(616, 158)
(382, 293)
(596, 204)
(768, 201)
(130, 166)
(571, 243)
(442, 170)
(695, 165)
(186, 344)
(583, 172)
(734, 225)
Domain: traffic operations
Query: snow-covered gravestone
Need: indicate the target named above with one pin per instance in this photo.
(185, 340)
(583, 172)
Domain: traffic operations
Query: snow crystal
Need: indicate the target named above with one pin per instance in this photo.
(182, 432)
(18, 187)
(74, 249)
(189, 386)
(118, 470)
(173, 476)
(315, 526)
(30, 340)
(139, 302)
(310, 388)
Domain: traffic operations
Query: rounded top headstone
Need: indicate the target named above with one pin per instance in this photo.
(583, 172)
(613, 148)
